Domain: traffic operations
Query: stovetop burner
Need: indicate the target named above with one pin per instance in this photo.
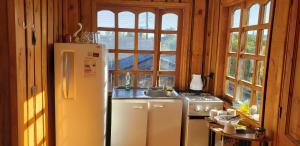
(200, 97)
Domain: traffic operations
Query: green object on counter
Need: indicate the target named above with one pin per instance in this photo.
(128, 81)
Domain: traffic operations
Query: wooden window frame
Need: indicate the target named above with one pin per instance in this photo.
(158, 8)
(243, 28)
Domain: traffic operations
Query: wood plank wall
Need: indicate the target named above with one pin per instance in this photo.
(23, 114)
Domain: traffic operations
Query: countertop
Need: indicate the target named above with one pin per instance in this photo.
(139, 93)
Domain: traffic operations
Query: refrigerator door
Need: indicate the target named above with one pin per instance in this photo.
(80, 94)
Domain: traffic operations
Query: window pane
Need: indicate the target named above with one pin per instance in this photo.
(111, 79)
(236, 18)
(253, 15)
(229, 88)
(146, 20)
(168, 42)
(167, 62)
(122, 80)
(146, 41)
(234, 38)
(169, 22)
(145, 80)
(126, 19)
(246, 69)
(167, 80)
(258, 101)
(126, 40)
(263, 44)
(243, 97)
(111, 61)
(126, 61)
(267, 12)
(105, 18)
(250, 42)
(108, 39)
(260, 73)
(231, 64)
(145, 61)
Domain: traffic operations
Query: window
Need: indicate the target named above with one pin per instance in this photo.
(246, 57)
(142, 42)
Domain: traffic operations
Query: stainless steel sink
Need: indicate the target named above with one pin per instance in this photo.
(160, 93)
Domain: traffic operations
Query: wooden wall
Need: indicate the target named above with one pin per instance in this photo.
(24, 112)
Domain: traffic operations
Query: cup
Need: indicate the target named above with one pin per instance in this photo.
(229, 128)
(213, 113)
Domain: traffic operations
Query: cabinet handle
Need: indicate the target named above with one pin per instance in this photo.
(158, 106)
(138, 107)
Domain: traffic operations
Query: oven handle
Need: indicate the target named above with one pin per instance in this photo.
(198, 117)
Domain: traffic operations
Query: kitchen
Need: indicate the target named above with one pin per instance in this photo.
(149, 72)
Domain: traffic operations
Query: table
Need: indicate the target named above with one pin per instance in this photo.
(245, 138)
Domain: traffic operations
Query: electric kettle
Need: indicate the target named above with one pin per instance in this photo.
(197, 83)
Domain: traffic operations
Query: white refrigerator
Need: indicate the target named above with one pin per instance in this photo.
(80, 94)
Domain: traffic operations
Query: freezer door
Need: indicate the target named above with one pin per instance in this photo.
(80, 94)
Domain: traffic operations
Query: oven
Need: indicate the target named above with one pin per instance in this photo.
(195, 127)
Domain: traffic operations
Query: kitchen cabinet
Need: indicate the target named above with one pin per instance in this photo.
(129, 122)
(146, 122)
(164, 123)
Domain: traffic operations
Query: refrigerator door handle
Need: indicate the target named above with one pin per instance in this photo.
(66, 75)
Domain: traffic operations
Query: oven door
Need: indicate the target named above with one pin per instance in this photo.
(197, 131)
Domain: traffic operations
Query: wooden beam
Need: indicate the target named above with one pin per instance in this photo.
(197, 47)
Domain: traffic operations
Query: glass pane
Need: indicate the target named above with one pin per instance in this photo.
(246, 69)
(231, 65)
(167, 62)
(126, 40)
(169, 22)
(243, 96)
(234, 39)
(250, 42)
(126, 19)
(166, 80)
(236, 17)
(111, 61)
(145, 61)
(126, 61)
(105, 18)
(144, 80)
(146, 20)
(122, 80)
(108, 39)
(258, 101)
(146, 41)
(267, 12)
(168, 42)
(111, 79)
(229, 88)
(260, 73)
(263, 44)
(253, 15)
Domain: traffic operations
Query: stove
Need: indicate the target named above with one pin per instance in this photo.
(200, 104)
(196, 107)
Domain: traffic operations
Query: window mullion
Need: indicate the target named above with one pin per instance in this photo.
(156, 47)
(116, 48)
(135, 52)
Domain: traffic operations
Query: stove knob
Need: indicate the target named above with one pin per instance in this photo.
(198, 108)
(207, 109)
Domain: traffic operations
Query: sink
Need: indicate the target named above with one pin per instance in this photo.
(160, 93)
(143, 93)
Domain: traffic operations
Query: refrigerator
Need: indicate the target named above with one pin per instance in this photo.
(80, 94)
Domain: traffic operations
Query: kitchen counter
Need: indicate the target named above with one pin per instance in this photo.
(139, 93)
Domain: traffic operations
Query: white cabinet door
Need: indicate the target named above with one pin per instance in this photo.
(164, 123)
(129, 122)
